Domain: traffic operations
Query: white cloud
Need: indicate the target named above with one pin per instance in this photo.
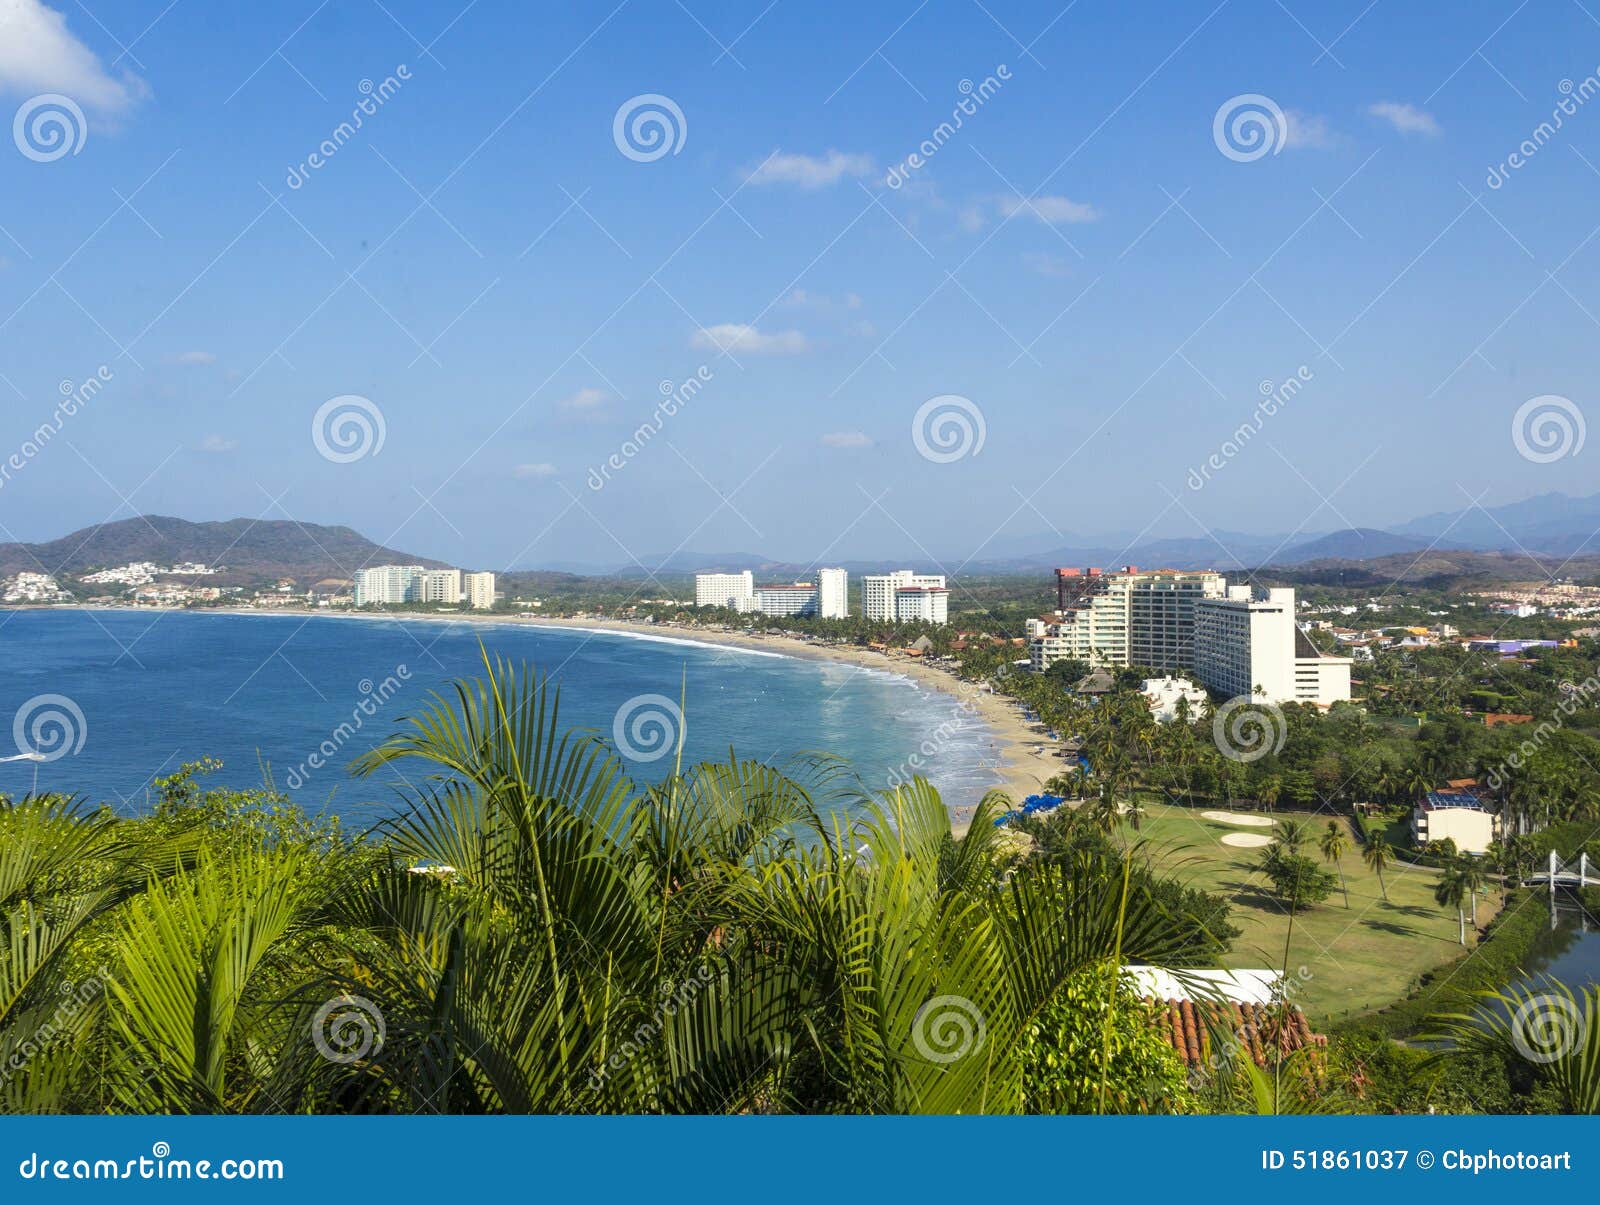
(1306, 131)
(535, 470)
(810, 171)
(39, 54)
(191, 358)
(1408, 119)
(740, 336)
(217, 443)
(1054, 211)
(847, 439)
(585, 399)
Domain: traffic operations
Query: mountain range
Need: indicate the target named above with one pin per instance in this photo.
(1504, 542)
(248, 549)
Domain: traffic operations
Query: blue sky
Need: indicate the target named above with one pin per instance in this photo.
(1081, 262)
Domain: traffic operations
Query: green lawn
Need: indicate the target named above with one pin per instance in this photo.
(1354, 959)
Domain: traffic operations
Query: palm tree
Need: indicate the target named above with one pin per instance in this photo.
(1290, 835)
(1334, 845)
(1378, 853)
(1472, 878)
(1451, 891)
(1547, 1024)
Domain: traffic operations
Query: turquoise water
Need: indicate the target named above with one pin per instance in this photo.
(155, 690)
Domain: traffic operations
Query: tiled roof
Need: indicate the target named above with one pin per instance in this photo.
(1256, 1027)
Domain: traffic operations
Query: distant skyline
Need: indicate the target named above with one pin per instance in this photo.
(788, 326)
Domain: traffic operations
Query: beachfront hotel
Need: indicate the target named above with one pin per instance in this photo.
(904, 596)
(1232, 638)
(826, 598)
(392, 585)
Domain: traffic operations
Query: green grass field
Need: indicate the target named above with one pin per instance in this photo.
(1355, 959)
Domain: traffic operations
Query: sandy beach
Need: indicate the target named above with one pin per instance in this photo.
(1013, 739)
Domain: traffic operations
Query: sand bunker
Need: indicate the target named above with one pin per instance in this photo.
(1238, 818)
(1246, 840)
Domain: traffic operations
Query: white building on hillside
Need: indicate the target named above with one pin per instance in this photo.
(1248, 641)
(833, 593)
(724, 589)
(479, 590)
(903, 596)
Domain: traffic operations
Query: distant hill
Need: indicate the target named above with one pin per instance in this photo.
(1437, 567)
(248, 548)
(1354, 543)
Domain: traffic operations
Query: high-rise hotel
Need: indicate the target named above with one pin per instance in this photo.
(1232, 638)
(828, 597)
(904, 596)
(390, 585)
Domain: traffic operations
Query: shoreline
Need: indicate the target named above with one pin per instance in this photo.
(1013, 738)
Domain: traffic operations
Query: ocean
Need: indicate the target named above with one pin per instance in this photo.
(118, 699)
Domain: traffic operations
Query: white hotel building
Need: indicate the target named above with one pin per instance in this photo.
(1249, 641)
(904, 596)
(391, 585)
(826, 598)
(1232, 640)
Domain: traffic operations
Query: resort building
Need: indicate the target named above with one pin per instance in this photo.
(1131, 617)
(903, 596)
(833, 593)
(1248, 643)
(479, 590)
(1455, 814)
(784, 598)
(1164, 695)
(387, 585)
(723, 589)
(438, 586)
